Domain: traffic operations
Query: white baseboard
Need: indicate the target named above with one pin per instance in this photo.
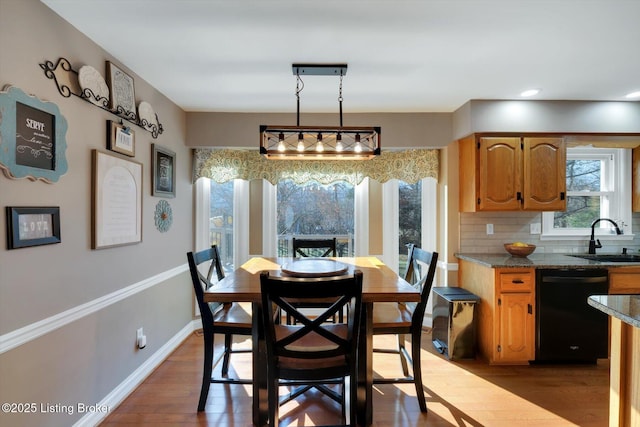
(120, 393)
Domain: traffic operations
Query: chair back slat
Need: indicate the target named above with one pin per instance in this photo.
(305, 247)
(289, 340)
(209, 258)
(421, 271)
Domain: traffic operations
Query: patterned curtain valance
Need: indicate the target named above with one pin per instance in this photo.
(222, 165)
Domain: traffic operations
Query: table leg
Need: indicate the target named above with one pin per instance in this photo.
(260, 396)
(365, 367)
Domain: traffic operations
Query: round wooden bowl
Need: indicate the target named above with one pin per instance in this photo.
(519, 251)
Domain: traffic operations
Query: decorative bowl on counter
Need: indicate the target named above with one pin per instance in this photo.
(519, 249)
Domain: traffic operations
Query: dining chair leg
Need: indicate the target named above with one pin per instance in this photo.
(227, 354)
(207, 369)
(402, 351)
(417, 369)
(274, 401)
(353, 398)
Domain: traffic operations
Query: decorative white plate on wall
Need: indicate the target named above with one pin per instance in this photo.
(90, 78)
(147, 116)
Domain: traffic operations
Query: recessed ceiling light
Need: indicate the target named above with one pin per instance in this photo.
(633, 95)
(530, 92)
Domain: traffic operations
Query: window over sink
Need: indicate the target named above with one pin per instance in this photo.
(598, 186)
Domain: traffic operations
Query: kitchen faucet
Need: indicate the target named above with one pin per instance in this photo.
(593, 244)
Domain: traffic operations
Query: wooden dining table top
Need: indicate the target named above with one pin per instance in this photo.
(379, 284)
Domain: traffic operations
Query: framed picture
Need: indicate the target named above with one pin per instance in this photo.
(32, 137)
(116, 201)
(163, 172)
(121, 91)
(32, 226)
(121, 139)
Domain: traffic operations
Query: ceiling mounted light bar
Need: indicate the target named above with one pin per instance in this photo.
(319, 69)
(319, 142)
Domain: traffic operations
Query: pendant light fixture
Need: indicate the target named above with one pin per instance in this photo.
(319, 142)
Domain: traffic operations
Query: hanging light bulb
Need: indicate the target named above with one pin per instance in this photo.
(339, 146)
(300, 142)
(358, 147)
(281, 147)
(319, 146)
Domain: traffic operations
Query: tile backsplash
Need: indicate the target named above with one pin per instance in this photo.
(515, 226)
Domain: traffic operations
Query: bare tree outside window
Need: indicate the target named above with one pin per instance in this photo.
(317, 211)
(221, 221)
(583, 177)
(410, 219)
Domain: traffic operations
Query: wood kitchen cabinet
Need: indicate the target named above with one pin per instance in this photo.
(512, 173)
(505, 316)
(624, 280)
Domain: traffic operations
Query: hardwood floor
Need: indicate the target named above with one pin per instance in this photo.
(461, 393)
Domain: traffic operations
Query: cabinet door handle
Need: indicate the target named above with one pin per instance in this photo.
(517, 281)
(530, 308)
(562, 196)
(518, 196)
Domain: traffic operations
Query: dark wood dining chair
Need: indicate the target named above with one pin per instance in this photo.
(313, 352)
(403, 319)
(303, 248)
(314, 247)
(227, 319)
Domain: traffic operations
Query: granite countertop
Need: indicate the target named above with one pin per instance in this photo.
(623, 307)
(534, 260)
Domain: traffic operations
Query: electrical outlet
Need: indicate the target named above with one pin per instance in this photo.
(535, 228)
(489, 228)
(141, 338)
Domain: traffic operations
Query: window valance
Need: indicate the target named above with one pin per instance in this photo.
(222, 165)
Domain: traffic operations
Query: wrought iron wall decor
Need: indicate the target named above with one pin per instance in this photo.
(67, 82)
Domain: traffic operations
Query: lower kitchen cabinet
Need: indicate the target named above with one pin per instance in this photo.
(624, 280)
(516, 327)
(506, 320)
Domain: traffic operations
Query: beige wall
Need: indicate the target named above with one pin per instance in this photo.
(84, 360)
(399, 130)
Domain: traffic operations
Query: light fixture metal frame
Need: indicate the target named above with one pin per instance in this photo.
(319, 142)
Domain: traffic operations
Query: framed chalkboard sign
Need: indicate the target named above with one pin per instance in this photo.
(163, 172)
(32, 137)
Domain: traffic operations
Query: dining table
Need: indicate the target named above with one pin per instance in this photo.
(380, 284)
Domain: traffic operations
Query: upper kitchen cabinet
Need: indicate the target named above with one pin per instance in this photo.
(512, 173)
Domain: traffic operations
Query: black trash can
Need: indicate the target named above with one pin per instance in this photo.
(454, 326)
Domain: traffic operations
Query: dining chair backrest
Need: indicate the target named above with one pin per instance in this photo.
(314, 247)
(206, 260)
(295, 341)
(421, 271)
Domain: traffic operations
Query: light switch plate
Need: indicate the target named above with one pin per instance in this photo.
(535, 228)
(489, 228)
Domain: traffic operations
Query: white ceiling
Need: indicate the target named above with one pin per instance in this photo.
(402, 56)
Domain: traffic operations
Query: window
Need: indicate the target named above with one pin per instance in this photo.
(596, 188)
(409, 216)
(409, 219)
(315, 210)
(219, 213)
(221, 221)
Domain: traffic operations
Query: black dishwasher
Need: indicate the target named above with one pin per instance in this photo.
(568, 329)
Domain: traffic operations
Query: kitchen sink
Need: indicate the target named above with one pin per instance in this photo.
(610, 257)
